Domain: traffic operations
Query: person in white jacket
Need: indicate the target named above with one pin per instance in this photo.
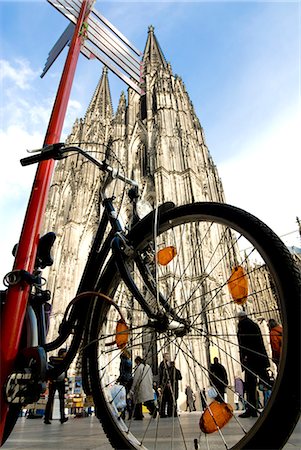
(142, 389)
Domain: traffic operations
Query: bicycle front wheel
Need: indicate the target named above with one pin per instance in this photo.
(217, 260)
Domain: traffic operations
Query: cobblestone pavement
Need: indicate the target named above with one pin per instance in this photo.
(87, 434)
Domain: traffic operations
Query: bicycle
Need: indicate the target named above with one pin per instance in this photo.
(163, 283)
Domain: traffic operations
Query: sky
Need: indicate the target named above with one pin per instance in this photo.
(240, 63)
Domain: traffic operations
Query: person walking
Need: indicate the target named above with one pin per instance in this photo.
(239, 391)
(175, 377)
(59, 385)
(142, 389)
(254, 359)
(126, 378)
(275, 340)
(219, 379)
(190, 404)
(203, 399)
(164, 384)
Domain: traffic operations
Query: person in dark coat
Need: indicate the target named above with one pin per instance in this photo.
(253, 357)
(219, 379)
(125, 370)
(203, 399)
(175, 377)
(126, 378)
(164, 384)
(59, 385)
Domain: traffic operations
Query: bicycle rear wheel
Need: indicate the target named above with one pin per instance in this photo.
(208, 240)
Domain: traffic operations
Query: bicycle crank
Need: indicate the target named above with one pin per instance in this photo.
(27, 383)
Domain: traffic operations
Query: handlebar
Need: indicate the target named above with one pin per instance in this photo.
(58, 150)
(53, 151)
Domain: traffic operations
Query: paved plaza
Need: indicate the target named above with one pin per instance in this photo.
(87, 434)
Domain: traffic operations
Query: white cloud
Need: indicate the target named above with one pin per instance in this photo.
(25, 103)
(265, 178)
(15, 188)
(14, 142)
(25, 114)
(21, 74)
(22, 105)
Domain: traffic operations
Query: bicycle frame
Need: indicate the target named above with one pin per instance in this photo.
(104, 242)
(35, 324)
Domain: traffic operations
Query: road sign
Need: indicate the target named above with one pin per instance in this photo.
(102, 41)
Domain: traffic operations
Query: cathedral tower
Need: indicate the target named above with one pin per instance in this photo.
(160, 142)
(74, 205)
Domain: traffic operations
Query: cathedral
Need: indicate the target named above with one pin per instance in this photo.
(159, 142)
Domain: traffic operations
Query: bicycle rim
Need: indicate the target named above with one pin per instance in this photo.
(210, 240)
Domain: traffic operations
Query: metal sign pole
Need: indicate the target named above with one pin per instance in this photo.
(15, 306)
(103, 41)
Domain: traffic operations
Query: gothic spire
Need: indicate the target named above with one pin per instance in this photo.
(153, 55)
(101, 103)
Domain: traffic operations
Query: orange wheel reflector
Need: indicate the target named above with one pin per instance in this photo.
(238, 285)
(122, 334)
(165, 255)
(215, 416)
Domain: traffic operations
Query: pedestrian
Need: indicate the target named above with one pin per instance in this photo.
(236, 400)
(203, 399)
(239, 391)
(266, 388)
(175, 377)
(157, 395)
(219, 379)
(142, 389)
(59, 385)
(275, 340)
(126, 379)
(254, 359)
(190, 402)
(156, 391)
(164, 383)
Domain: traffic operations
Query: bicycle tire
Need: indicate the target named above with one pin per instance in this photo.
(272, 429)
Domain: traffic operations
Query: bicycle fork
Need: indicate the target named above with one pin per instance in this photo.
(165, 318)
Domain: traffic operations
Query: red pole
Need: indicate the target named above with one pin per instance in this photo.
(15, 307)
